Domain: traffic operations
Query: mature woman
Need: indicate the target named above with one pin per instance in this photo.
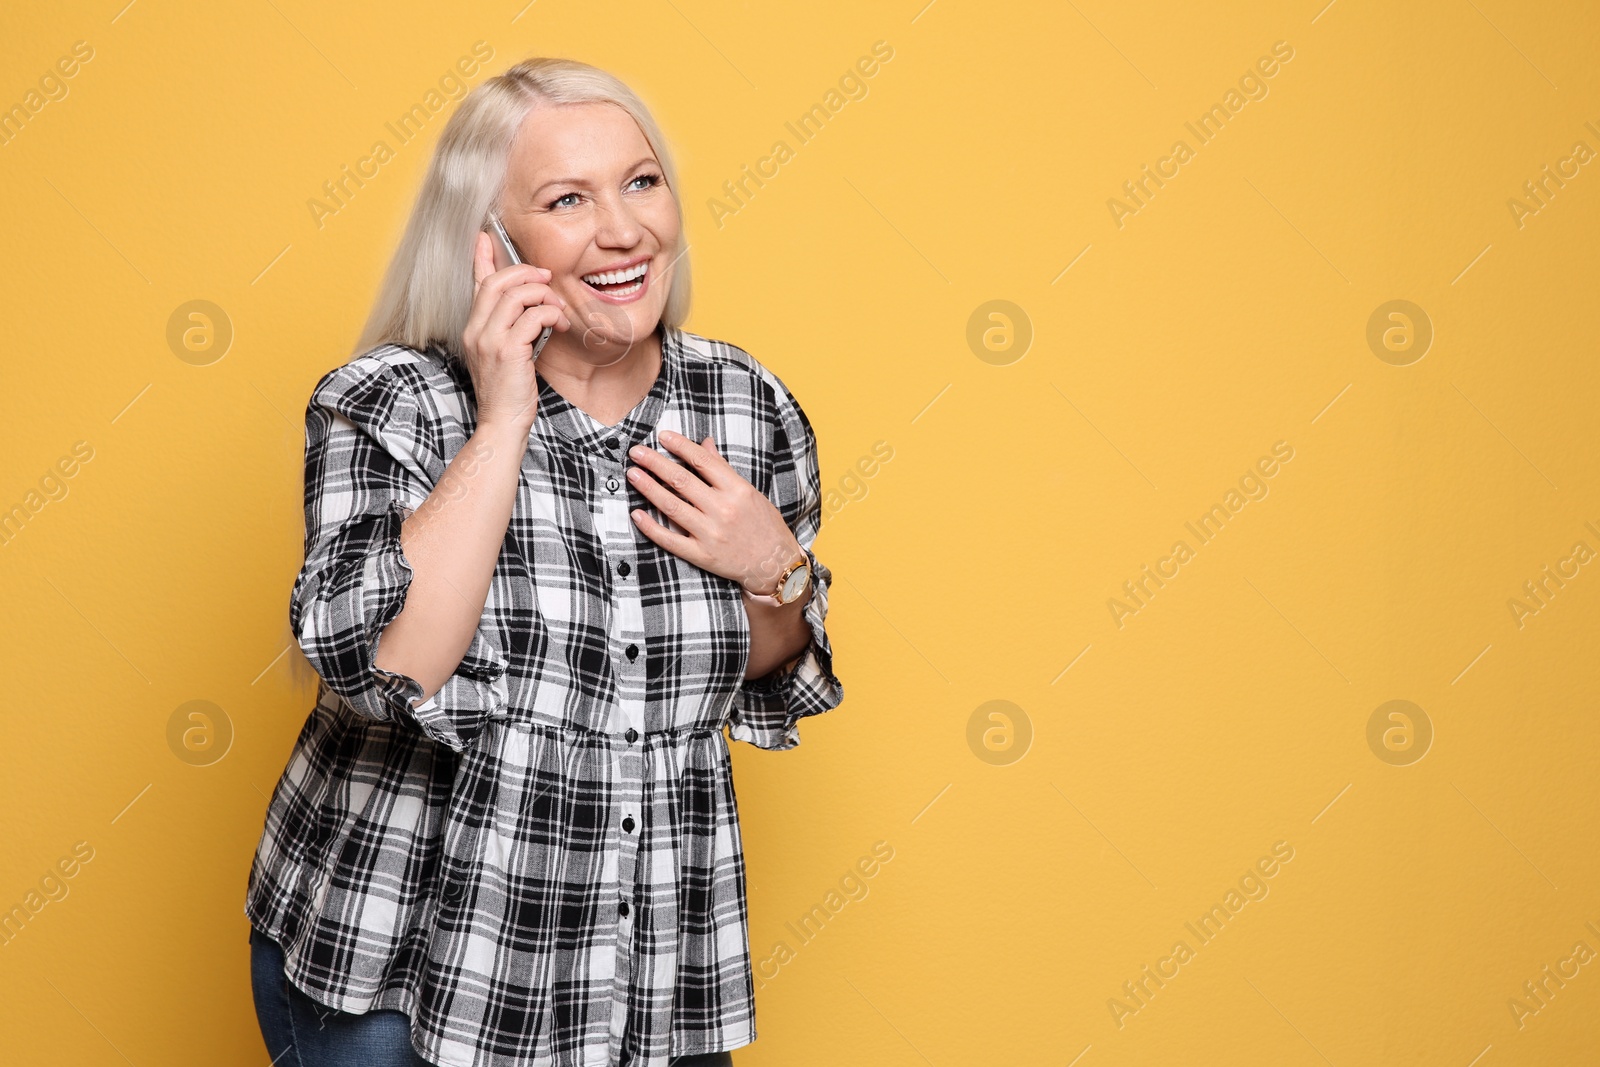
(535, 594)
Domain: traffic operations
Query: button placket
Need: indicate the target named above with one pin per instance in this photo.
(625, 643)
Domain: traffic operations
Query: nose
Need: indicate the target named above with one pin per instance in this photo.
(615, 224)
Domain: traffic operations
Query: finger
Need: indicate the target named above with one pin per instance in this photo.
(490, 289)
(683, 547)
(518, 299)
(709, 465)
(680, 480)
(674, 507)
(711, 445)
(482, 260)
(533, 320)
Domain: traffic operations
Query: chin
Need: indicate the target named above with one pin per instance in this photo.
(610, 336)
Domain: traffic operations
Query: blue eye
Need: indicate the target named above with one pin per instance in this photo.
(652, 179)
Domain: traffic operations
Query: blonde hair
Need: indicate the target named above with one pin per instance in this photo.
(427, 290)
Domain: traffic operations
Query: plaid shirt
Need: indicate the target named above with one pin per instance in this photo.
(542, 863)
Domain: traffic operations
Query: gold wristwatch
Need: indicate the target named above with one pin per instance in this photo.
(792, 580)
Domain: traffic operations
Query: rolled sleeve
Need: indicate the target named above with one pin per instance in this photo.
(767, 710)
(368, 467)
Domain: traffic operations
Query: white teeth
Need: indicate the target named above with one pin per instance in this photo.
(613, 277)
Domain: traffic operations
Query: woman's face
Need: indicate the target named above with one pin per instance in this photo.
(586, 197)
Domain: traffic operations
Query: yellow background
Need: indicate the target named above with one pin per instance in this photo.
(976, 565)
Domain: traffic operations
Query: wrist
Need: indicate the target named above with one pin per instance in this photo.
(764, 583)
(762, 600)
(768, 603)
(504, 431)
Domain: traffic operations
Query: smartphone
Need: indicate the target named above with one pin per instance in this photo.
(505, 254)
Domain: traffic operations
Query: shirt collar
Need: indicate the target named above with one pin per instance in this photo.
(559, 418)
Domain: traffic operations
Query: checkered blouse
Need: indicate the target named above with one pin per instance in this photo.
(542, 863)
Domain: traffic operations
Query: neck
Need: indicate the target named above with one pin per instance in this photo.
(604, 386)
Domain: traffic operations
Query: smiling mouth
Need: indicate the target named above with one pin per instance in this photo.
(624, 282)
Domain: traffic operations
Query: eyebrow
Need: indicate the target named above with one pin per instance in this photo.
(635, 165)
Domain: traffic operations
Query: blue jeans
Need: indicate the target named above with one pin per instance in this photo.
(322, 1037)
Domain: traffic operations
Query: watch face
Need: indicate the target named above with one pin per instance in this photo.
(796, 583)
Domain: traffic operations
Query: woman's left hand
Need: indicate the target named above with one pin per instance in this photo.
(733, 529)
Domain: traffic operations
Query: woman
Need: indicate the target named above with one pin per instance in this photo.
(507, 833)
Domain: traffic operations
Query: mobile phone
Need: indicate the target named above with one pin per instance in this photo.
(505, 254)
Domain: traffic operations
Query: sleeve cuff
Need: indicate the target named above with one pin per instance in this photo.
(473, 694)
(768, 709)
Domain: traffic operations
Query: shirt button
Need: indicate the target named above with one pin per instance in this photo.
(631, 736)
(622, 908)
(632, 652)
(623, 568)
(612, 443)
(627, 825)
(612, 485)
(452, 892)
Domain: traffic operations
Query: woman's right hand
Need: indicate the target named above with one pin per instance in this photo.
(510, 308)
